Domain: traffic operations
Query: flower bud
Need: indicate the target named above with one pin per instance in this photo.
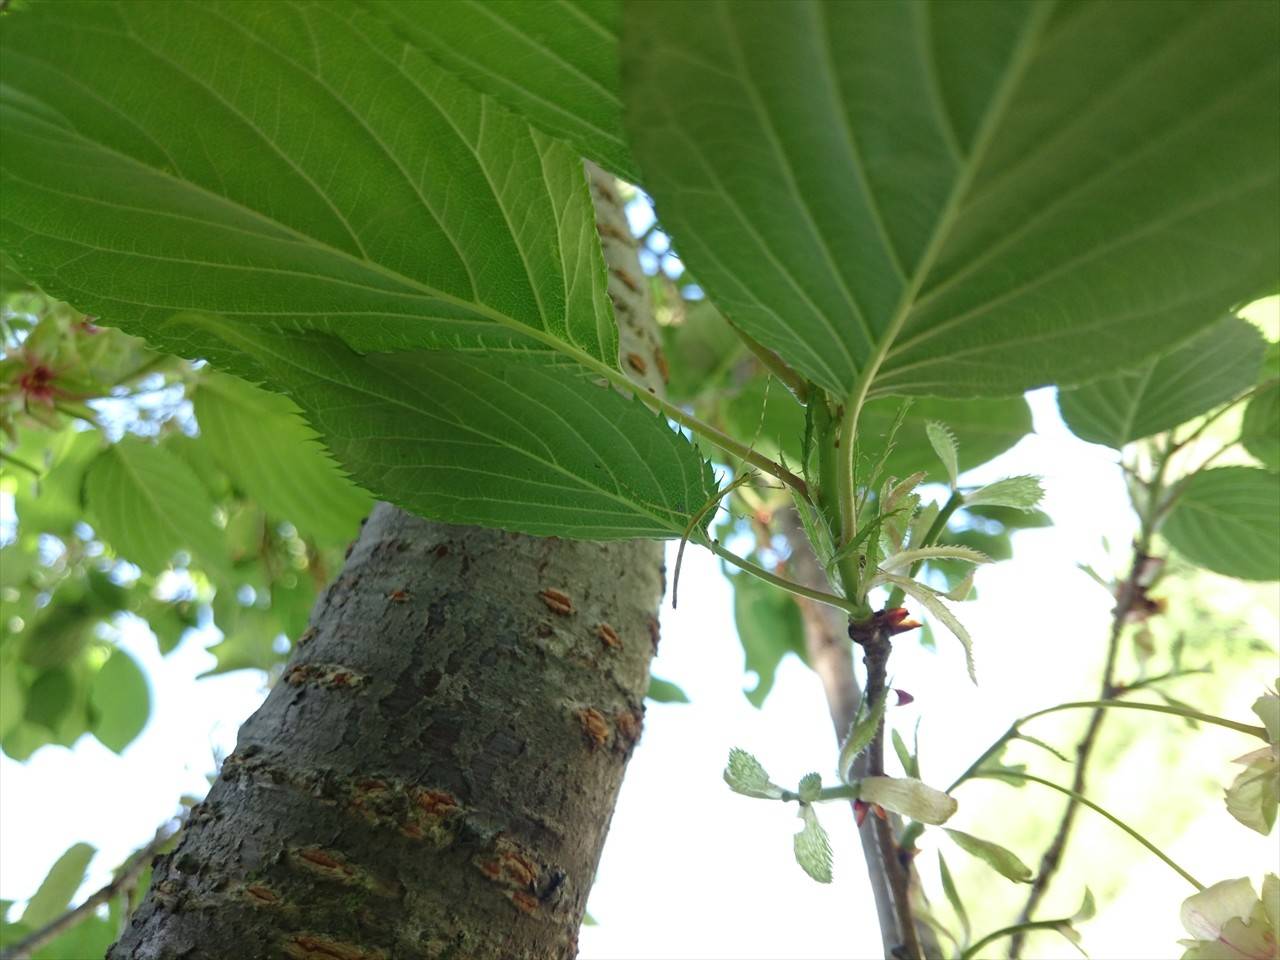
(860, 808)
(909, 797)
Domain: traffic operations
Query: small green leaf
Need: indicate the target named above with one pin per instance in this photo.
(909, 765)
(1225, 519)
(863, 731)
(1211, 368)
(1021, 493)
(812, 848)
(907, 558)
(746, 776)
(937, 608)
(1260, 429)
(119, 700)
(664, 691)
(944, 445)
(59, 886)
(148, 505)
(953, 897)
(1003, 861)
(810, 787)
(1088, 908)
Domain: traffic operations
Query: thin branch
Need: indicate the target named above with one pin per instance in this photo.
(718, 437)
(873, 637)
(124, 881)
(1085, 801)
(1251, 729)
(790, 586)
(1130, 591)
(1015, 728)
(1017, 930)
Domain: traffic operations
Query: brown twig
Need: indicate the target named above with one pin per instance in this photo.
(124, 881)
(1127, 597)
(873, 637)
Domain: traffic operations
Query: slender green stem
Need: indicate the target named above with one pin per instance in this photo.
(1010, 931)
(1082, 799)
(706, 430)
(1013, 730)
(1161, 678)
(1248, 728)
(986, 755)
(843, 791)
(1213, 417)
(721, 439)
(954, 503)
(788, 585)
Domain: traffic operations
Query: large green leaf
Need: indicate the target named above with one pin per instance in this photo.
(959, 198)
(1228, 520)
(554, 61)
(119, 701)
(148, 505)
(1210, 368)
(261, 439)
(538, 447)
(287, 164)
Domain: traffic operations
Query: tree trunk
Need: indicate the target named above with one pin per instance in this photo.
(435, 773)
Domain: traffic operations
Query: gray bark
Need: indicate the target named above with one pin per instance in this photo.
(434, 775)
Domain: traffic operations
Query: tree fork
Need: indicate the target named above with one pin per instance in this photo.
(435, 773)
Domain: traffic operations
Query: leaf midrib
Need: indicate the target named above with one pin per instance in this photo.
(968, 168)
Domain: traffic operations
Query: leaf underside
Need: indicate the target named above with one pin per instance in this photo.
(538, 447)
(1210, 368)
(962, 198)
